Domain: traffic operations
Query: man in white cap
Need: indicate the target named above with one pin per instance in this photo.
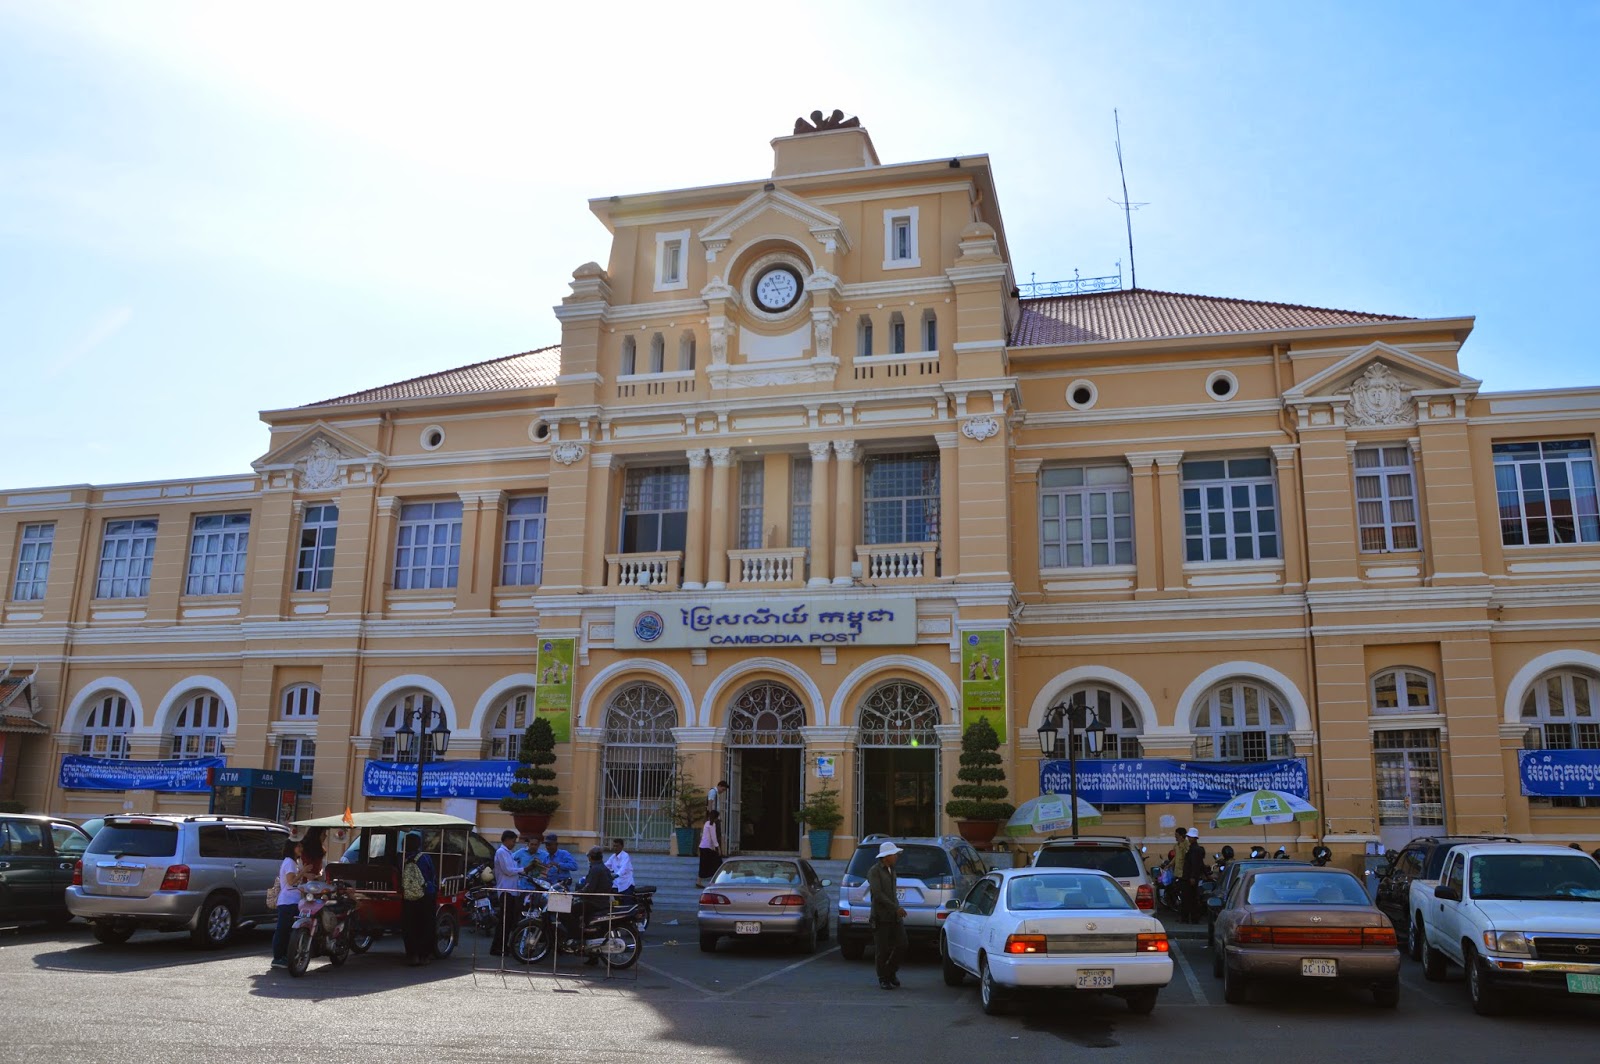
(888, 918)
(1194, 870)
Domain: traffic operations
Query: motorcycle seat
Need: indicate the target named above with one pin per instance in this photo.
(643, 892)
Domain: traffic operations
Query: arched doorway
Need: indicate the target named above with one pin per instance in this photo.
(636, 769)
(766, 759)
(898, 761)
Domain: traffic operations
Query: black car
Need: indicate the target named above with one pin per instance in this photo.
(1421, 859)
(1229, 877)
(36, 858)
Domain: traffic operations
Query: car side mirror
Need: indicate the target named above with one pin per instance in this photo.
(950, 904)
(827, 882)
(1214, 904)
(1446, 893)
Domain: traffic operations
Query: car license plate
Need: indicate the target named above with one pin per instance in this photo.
(747, 927)
(901, 893)
(1583, 984)
(119, 875)
(1323, 968)
(1096, 978)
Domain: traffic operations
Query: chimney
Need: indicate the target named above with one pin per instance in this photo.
(822, 144)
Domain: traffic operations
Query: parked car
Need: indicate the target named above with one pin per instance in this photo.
(765, 898)
(207, 875)
(36, 859)
(1514, 918)
(1114, 855)
(1419, 863)
(1287, 923)
(1066, 930)
(930, 872)
(1229, 874)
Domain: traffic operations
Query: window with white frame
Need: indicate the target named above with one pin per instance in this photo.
(1386, 498)
(300, 702)
(630, 357)
(218, 548)
(504, 742)
(655, 509)
(298, 753)
(522, 554)
(36, 543)
(1230, 510)
(1546, 491)
(401, 708)
(1085, 516)
(127, 550)
(1562, 712)
(686, 352)
(1116, 715)
(1403, 690)
(864, 337)
(1241, 721)
(671, 264)
(427, 550)
(658, 353)
(319, 532)
(106, 728)
(200, 728)
(900, 238)
(897, 333)
(901, 498)
(930, 331)
(752, 487)
(800, 503)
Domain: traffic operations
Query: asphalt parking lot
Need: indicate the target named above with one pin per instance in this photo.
(70, 997)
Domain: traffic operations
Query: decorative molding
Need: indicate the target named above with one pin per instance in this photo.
(980, 428)
(697, 457)
(770, 374)
(822, 323)
(1378, 397)
(819, 450)
(568, 452)
(387, 505)
(721, 457)
(845, 449)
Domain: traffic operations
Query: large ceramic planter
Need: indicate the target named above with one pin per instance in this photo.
(686, 842)
(821, 844)
(978, 832)
(531, 823)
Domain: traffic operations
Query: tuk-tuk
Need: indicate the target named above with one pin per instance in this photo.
(368, 866)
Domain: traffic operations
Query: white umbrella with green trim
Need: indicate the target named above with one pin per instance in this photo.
(1047, 814)
(1263, 807)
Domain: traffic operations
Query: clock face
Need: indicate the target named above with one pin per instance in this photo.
(777, 289)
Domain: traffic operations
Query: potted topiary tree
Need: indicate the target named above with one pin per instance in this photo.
(533, 798)
(978, 802)
(688, 810)
(821, 816)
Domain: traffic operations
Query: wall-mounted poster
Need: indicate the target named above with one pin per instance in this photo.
(552, 699)
(983, 679)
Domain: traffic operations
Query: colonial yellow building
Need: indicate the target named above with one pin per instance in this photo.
(806, 482)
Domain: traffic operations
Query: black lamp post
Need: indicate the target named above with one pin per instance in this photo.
(1078, 718)
(426, 742)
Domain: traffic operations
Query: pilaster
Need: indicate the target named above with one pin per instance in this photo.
(950, 531)
(694, 548)
(1169, 494)
(844, 511)
(721, 517)
(821, 515)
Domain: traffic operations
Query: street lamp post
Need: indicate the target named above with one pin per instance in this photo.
(1078, 718)
(431, 736)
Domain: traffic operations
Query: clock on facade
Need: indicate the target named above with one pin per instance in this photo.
(776, 289)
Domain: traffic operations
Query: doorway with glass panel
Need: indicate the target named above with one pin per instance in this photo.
(1410, 781)
(897, 762)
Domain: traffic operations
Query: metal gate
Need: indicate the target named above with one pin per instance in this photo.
(636, 770)
(1410, 784)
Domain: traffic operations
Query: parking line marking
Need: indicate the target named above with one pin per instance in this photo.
(1188, 975)
(781, 971)
(678, 979)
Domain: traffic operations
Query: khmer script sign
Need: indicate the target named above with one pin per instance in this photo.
(1559, 773)
(780, 620)
(1139, 781)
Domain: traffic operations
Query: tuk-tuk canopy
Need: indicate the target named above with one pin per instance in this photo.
(388, 818)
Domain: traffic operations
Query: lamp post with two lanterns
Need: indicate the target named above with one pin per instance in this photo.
(1078, 717)
(428, 741)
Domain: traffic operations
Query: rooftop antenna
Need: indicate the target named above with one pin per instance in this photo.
(1127, 206)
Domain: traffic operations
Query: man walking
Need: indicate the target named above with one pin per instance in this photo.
(888, 918)
(507, 877)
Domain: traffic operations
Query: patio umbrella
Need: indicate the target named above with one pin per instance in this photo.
(1048, 813)
(1263, 807)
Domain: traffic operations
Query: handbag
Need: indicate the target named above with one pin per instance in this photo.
(272, 893)
(413, 887)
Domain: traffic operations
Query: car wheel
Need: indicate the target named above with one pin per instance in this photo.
(299, 951)
(825, 932)
(990, 994)
(1487, 998)
(953, 975)
(1142, 1002)
(1386, 995)
(446, 929)
(806, 941)
(1433, 963)
(215, 925)
(1235, 988)
(708, 943)
(853, 949)
(1415, 937)
(111, 934)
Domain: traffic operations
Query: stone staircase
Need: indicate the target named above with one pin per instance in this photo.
(673, 878)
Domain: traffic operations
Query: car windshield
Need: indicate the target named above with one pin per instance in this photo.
(758, 874)
(1063, 891)
(1113, 860)
(136, 840)
(1535, 877)
(1311, 887)
(916, 862)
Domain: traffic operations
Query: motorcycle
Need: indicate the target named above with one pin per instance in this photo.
(323, 926)
(644, 899)
(611, 934)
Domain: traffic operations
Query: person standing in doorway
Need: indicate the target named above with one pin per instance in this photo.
(888, 918)
(710, 852)
(715, 798)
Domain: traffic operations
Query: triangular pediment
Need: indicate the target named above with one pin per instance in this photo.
(825, 226)
(318, 457)
(1409, 371)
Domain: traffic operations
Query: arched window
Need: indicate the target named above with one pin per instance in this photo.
(1562, 711)
(1238, 720)
(864, 337)
(658, 353)
(396, 713)
(504, 741)
(105, 730)
(766, 714)
(1403, 690)
(1117, 716)
(636, 773)
(930, 330)
(301, 701)
(899, 714)
(200, 727)
(686, 352)
(897, 333)
(630, 356)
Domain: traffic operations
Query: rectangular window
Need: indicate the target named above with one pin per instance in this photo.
(930, 332)
(522, 556)
(1085, 516)
(897, 336)
(298, 754)
(217, 551)
(671, 249)
(1386, 498)
(126, 552)
(1230, 510)
(900, 238)
(752, 486)
(427, 551)
(1546, 492)
(800, 503)
(671, 262)
(33, 562)
(319, 532)
(655, 509)
(901, 499)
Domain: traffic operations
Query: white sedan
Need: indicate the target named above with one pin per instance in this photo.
(1054, 929)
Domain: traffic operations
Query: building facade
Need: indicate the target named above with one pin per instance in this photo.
(809, 487)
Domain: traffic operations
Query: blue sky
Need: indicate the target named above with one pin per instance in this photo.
(207, 210)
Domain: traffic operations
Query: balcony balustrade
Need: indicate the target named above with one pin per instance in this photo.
(884, 562)
(654, 569)
(771, 567)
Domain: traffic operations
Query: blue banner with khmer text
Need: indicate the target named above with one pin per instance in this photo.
(1142, 781)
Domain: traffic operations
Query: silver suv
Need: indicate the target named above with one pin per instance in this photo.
(207, 875)
(929, 873)
(1113, 854)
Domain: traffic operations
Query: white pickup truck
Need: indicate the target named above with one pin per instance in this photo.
(1514, 917)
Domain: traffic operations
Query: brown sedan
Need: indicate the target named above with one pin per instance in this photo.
(1303, 924)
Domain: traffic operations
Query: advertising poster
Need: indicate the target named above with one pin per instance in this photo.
(983, 679)
(553, 697)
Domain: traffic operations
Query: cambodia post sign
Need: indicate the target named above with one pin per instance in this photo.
(799, 621)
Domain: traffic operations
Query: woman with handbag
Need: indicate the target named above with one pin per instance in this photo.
(284, 896)
(419, 898)
(710, 853)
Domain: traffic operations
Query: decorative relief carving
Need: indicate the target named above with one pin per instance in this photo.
(719, 345)
(820, 122)
(819, 450)
(1378, 397)
(980, 428)
(822, 327)
(320, 467)
(721, 456)
(845, 449)
(697, 457)
(567, 453)
(809, 371)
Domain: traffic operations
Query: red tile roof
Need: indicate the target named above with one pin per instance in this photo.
(531, 369)
(1146, 314)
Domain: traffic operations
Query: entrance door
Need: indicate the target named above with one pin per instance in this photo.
(637, 767)
(1410, 785)
(766, 755)
(899, 791)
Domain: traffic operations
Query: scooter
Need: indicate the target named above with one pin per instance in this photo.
(323, 926)
(610, 934)
(644, 899)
